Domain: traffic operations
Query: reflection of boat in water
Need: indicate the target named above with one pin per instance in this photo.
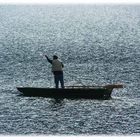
(72, 92)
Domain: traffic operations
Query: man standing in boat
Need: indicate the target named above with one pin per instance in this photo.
(57, 67)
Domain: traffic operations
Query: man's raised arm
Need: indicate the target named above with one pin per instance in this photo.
(49, 60)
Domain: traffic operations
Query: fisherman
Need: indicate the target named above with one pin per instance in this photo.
(57, 71)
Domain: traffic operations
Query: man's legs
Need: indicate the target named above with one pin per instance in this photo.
(61, 80)
(56, 80)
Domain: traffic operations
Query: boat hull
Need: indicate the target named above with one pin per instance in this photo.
(71, 93)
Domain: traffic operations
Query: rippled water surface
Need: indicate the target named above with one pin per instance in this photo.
(98, 45)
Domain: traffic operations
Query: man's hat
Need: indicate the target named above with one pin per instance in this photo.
(55, 57)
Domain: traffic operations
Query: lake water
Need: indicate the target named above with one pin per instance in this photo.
(98, 45)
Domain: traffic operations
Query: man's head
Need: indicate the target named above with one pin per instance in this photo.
(55, 57)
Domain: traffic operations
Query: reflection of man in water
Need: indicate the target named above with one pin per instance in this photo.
(57, 70)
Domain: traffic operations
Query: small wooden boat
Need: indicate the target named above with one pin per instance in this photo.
(72, 92)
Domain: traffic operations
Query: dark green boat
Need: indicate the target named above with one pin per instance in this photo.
(71, 92)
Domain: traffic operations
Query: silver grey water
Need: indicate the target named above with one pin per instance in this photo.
(98, 44)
